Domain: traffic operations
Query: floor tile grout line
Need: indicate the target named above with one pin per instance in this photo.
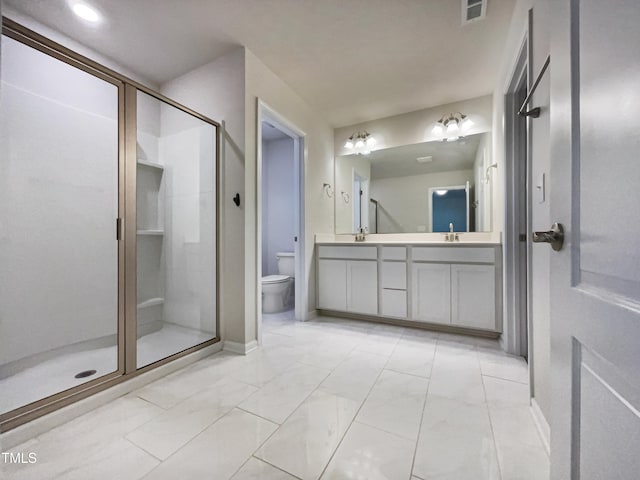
(135, 445)
(274, 466)
(493, 434)
(506, 379)
(424, 407)
(346, 432)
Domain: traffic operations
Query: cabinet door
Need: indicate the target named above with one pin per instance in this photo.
(431, 293)
(332, 284)
(362, 287)
(394, 303)
(473, 296)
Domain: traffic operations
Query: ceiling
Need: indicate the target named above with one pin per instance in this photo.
(447, 156)
(351, 60)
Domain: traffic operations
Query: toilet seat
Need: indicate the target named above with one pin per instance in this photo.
(275, 279)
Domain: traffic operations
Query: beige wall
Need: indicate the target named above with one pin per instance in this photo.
(263, 84)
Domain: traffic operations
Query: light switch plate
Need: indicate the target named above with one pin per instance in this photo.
(540, 187)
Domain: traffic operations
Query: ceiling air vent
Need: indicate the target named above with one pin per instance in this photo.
(473, 10)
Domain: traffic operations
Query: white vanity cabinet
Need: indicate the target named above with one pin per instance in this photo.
(393, 282)
(473, 296)
(456, 286)
(447, 285)
(431, 289)
(348, 279)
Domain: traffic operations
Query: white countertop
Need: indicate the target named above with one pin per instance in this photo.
(466, 238)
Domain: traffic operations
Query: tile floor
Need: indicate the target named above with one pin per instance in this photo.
(57, 374)
(330, 399)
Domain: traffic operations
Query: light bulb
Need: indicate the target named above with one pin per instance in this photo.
(438, 130)
(452, 126)
(359, 143)
(453, 139)
(371, 142)
(441, 192)
(467, 123)
(86, 12)
(349, 144)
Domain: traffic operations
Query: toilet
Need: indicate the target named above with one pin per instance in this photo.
(278, 290)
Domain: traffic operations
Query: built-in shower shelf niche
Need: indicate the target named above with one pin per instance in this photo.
(153, 233)
(151, 302)
(151, 165)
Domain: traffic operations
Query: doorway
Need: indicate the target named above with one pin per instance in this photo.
(280, 217)
(518, 210)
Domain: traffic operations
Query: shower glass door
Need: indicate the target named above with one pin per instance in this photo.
(176, 230)
(59, 201)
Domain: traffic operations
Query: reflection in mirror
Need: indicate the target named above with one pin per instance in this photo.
(402, 189)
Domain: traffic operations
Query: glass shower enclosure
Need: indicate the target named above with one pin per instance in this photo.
(108, 228)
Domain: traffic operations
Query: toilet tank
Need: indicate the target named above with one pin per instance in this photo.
(286, 263)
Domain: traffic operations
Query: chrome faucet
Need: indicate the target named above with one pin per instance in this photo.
(361, 234)
(451, 236)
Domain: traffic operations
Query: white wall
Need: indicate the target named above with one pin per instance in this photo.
(540, 163)
(187, 149)
(318, 159)
(58, 205)
(403, 202)
(278, 185)
(217, 91)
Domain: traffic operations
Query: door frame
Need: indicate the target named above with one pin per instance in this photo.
(271, 115)
(517, 263)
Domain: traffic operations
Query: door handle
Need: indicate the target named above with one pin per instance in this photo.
(555, 236)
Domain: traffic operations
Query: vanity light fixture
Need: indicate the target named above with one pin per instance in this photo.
(360, 142)
(450, 126)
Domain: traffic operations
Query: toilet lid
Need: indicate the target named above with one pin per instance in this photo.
(275, 278)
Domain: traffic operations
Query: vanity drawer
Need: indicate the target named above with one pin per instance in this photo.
(394, 253)
(454, 254)
(394, 275)
(348, 252)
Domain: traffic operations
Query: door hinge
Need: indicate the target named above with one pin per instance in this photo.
(523, 237)
(118, 228)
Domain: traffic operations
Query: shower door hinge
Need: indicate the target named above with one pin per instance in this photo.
(118, 228)
(523, 237)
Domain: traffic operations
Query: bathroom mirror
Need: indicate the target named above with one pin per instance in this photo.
(417, 188)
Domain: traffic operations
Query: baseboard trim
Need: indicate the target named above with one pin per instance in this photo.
(23, 433)
(541, 424)
(240, 348)
(311, 314)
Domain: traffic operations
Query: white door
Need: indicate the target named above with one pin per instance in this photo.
(595, 278)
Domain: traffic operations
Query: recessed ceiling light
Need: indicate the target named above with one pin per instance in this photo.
(85, 12)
